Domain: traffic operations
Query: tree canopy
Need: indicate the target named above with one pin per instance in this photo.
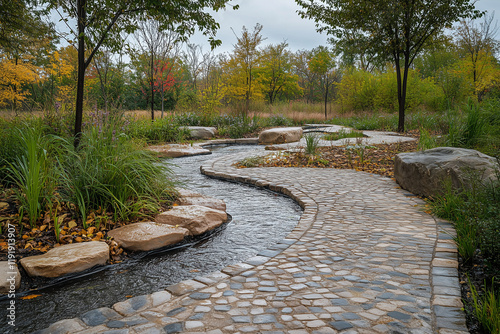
(102, 22)
(394, 29)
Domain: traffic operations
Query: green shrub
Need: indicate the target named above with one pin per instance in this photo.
(163, 130)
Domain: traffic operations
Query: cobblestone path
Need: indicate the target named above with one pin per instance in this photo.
(364, 258)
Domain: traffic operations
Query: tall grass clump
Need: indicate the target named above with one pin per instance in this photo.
(312, 144)
(32, 171)
(111, 171)
(486, 307)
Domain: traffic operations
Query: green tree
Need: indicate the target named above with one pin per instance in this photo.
(395, 29)
(101, 22)
(275, 72)
(245, 59)
(478, 45)
(307, 79)
(322, 63)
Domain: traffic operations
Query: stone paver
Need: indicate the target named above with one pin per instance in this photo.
(364, 258)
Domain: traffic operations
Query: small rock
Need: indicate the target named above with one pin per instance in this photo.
(10, 278)
(67, 259)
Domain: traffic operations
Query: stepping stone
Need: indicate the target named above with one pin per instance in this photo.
(197, 219)
(147, 236)
(280, 135)
(191, 198)
(67, 259)
(10, 278)
(178, 150)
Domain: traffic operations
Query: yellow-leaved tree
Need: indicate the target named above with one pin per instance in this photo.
(14, 75)
(238, 75)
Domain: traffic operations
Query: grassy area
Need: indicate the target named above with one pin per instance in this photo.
(52, 188)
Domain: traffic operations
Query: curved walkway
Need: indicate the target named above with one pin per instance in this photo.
(364, 258)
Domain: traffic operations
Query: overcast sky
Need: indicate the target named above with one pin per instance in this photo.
(280, 23)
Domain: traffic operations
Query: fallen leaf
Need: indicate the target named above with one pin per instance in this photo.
(72, 224)
(43, 227)
(29, 297)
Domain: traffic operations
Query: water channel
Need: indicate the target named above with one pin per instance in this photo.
(260, 219)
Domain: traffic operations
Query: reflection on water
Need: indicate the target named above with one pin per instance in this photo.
(260, 219)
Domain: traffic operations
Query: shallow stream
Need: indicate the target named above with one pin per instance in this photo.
(260, 218)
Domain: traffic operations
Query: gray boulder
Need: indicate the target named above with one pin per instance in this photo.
(200, 132)
(424, 173)
(280, 135)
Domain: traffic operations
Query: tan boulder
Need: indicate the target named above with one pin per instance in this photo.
(67, 259)
(178, 150)
(188, 197)
(147, 236)
(280, 135)
(197, 219)
(10, 278)
(183, 192)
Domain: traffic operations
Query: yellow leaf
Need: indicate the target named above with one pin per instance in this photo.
(30, 297)
(72, 224)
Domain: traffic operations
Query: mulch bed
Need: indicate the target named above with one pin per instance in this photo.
(377, 159)
(41, 238)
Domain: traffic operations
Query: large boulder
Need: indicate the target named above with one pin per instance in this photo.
(178, 150)
(10, 278)
(280, 135)
(197, 219)
(200, 132)
(188, 197)
(424, 173)
(147, 236)
(67, 259)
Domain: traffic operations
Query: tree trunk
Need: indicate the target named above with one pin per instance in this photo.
(326, 97)
(402, 87)
(162, 99)
(152, 89)
(82, 17)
